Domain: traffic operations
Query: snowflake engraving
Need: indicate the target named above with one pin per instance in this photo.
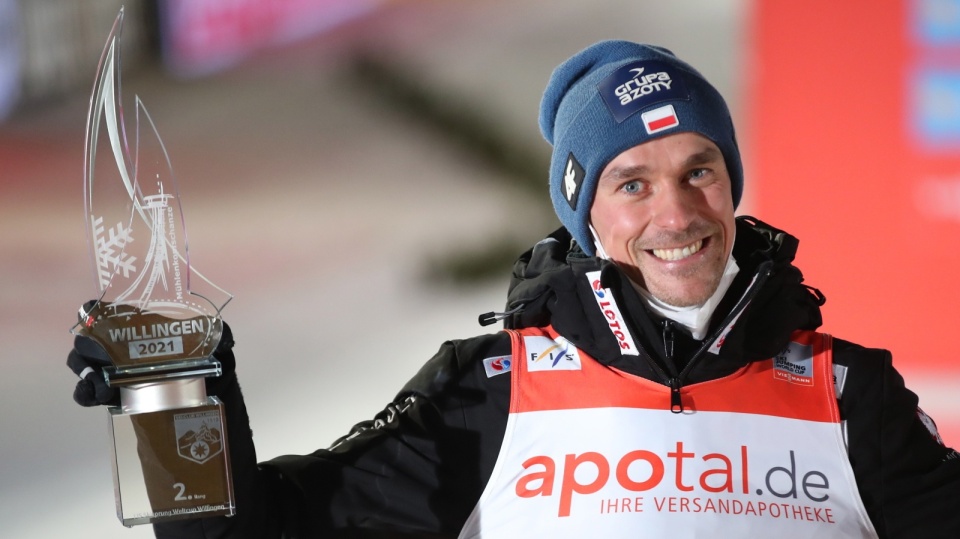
(111, 257)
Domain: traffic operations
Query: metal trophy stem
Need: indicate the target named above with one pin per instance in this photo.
(155, 316)
(154, 397)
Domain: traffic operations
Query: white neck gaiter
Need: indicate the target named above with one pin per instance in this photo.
(696, 318)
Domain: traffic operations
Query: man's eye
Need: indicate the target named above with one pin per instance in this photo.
(698, 173)
(631, 187)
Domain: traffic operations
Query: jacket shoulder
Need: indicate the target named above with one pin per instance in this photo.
(907, 476)
(458, 363)
(850, 354)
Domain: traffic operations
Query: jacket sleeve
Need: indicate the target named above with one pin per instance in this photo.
(908, 478)
(414, 470)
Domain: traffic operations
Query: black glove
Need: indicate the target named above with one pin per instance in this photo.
(87, 360)
(216, 385)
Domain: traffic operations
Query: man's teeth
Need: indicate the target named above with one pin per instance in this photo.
(678, 253)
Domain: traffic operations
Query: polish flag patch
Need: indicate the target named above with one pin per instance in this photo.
(660, 118)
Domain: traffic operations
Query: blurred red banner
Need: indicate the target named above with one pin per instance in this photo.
(854, 132)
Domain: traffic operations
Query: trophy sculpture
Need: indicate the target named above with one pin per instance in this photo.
(156, 317)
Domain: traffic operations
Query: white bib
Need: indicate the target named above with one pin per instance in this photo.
(590, 451)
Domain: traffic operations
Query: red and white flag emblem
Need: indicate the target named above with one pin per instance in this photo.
(661, 118)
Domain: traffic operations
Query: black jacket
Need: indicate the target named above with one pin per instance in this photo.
(418, 468)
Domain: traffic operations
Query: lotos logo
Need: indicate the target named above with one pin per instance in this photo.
(496, 365)
(638, 85)
(608, 306)
(682, 477)
(598, 289)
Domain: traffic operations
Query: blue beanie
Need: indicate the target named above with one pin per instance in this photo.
(611, 97)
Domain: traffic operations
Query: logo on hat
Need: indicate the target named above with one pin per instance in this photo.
(638, 85)
(661, 118)
(572, 178)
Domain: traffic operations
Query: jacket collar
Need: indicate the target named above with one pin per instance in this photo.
(556, 284)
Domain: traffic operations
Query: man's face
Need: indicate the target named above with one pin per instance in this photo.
(664, 213)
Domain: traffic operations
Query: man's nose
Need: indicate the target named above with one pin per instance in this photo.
(674, 207)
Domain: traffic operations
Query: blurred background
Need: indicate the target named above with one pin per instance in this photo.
(360, 173)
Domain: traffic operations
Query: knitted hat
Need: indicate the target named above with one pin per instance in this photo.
(611, 97)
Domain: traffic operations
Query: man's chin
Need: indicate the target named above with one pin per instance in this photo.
(683, 294)
(683, 303)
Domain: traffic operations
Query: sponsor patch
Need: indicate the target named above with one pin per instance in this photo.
(722, 338)
(546, 354)
(572, 179)
(660, 119)
(639, 85)
(608, 306)
(794, 364)
(839, 379)
(497, 365)
(930, 425)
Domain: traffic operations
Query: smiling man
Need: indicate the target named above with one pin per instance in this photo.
(660, 373)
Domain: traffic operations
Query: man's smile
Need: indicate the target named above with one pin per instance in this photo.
(677, 253)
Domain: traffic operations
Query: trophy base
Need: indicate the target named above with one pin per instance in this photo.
(171, 464)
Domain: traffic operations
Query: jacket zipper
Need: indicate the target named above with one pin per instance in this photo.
(676, 403)
(676, 382)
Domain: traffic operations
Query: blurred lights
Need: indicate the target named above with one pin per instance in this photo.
(9, 56)
(203, 36)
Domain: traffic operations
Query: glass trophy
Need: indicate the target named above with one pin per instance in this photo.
(157, 318)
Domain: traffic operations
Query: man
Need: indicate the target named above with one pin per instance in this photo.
(660, 375)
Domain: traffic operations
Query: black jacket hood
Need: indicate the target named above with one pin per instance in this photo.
(549, 285)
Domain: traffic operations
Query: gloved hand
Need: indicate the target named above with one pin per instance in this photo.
(87, 360)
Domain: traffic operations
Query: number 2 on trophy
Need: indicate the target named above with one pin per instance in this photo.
(181, 488)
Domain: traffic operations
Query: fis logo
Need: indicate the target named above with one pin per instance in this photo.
(546, 354)
(639, 85)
